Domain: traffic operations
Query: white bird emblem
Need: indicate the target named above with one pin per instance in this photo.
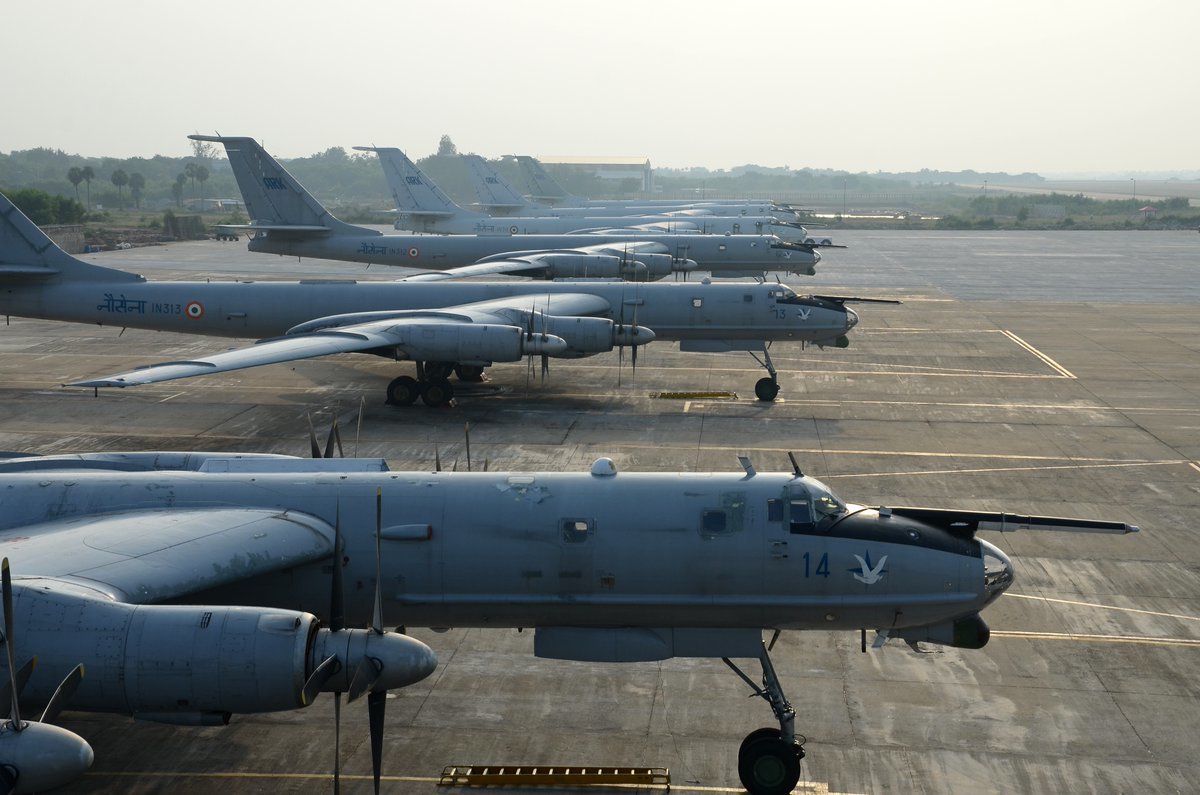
(869, 575)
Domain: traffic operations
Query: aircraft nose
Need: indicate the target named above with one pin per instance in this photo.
(997, 571)
(851, 319)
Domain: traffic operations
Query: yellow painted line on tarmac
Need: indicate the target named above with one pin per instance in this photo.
(1077, 603)
(813, 787)
(1194, 465)
(1053, 364)
(1142, 640)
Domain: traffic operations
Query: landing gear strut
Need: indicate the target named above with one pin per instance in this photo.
(767, 388)
(769, 759)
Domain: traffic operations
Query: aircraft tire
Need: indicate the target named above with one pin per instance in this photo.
(766, 731)
(468, 373)
(766, 389)
(769, 766)
(403, 391)
(437, 392)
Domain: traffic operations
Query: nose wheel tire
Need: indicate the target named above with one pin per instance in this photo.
(766, 389)
(767, 765)
(403, 391)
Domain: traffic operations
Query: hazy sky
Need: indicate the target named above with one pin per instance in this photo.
(1045, 85)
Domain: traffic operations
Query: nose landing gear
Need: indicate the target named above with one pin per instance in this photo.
(766, 389)
(769, 758)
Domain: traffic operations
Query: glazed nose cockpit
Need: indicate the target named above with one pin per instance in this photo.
(997, 571)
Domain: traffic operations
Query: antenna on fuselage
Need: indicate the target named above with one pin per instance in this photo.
(744, 460)
(795, 467)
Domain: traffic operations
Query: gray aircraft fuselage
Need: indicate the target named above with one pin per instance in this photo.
(675, 311)
(757, 253)
(567, 549)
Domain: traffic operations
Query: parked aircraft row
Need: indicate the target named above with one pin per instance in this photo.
(227, 572)
(286, 219)
(424, 207)
(498, 198)
(459, 327)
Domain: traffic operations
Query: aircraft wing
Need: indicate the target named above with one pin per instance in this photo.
(150, 556)
(503, 267)
(400, 330)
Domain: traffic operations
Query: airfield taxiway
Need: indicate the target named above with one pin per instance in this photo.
(1050, 373)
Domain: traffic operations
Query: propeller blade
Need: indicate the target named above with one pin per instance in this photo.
(376, 705)
(467, 436)
(9, 642)
(312, 438)
(337, 604)
(7, 702)
(334, 435)
(362, 407)
(377, 614)
(337, 743)
(365, 677)
(317, 679)
(437, 458)
(62, 695)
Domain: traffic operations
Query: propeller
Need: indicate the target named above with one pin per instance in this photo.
(36, 756)
(335, 436)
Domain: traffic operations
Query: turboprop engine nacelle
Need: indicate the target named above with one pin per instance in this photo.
(572, 265)
(475, 343)
(190, 662)
(586, 336)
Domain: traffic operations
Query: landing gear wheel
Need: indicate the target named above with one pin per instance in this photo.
(403, 391)
(766, 389)
(768, 731)
(437, 392)
(769, 766)
(468, 373)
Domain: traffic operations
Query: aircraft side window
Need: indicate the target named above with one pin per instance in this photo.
(726, 520)
(697, 303)
(576, 531)
(774, 510)
(801, 516)
(748, 298)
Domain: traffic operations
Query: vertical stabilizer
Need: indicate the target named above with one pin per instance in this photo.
(494, 193)
(414, 193)
(27, 253)
(273, 196)
(543, 187)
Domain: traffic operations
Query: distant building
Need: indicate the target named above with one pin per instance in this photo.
(214, 205)
(615, 168)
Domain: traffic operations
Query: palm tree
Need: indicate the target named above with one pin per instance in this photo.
(88, 175)
(177, 189)
(201, 175)
(190, 170)
(136, 184)
(75, 176)
(120, 179)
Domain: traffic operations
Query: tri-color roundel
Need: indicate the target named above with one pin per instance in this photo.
(194, 310)
(414, 252)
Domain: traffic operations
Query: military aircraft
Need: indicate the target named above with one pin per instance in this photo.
(545, 189)
(286, 219)
(424, 207)
(458, 327)
(603, 566)
(498, 198)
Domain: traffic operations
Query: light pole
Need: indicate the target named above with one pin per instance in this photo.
(843, 198)
(1134, 181)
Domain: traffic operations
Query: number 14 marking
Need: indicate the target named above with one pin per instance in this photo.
(822, 565)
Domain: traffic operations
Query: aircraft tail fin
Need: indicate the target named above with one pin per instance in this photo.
(493, 192)
(415, 193)
(542, 186)
(274, 199)
(26, 253)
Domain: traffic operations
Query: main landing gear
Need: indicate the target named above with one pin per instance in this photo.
(766, 389)
(769, 759)
(432, 384)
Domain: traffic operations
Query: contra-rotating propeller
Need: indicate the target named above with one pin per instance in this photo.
(407, 660)
(36, 756)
